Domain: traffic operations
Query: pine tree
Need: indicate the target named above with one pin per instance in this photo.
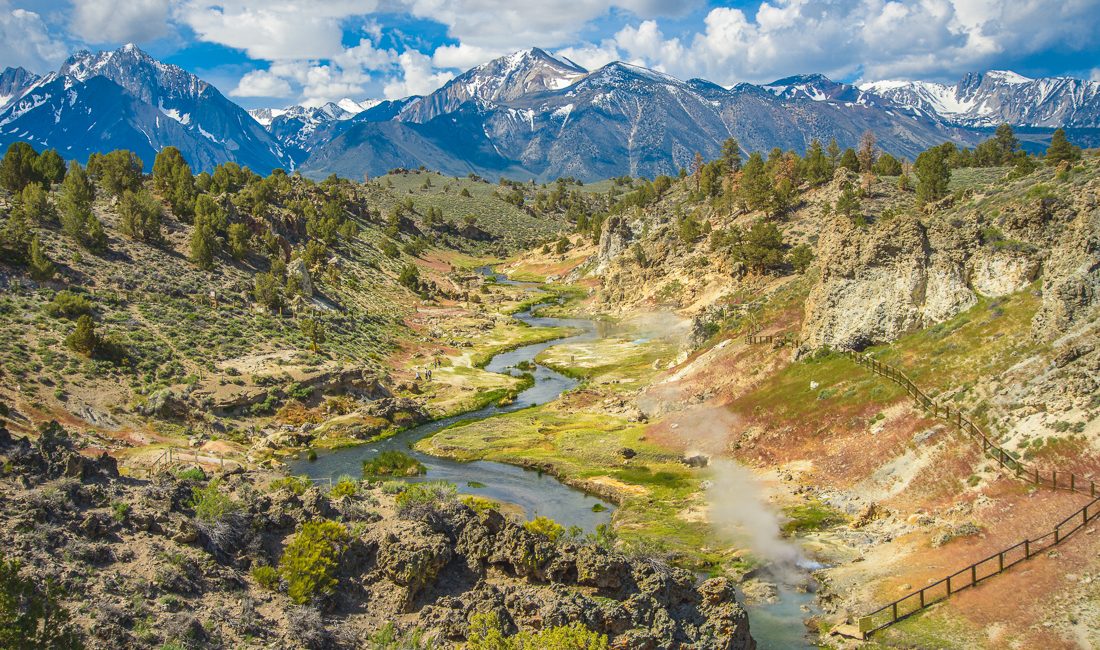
(314, 331)
(1061, 149)
(164, 169)
(1006, 144)
(238, 240)
(77, 219)
(933, 174)
(849, 161)
(847, 203)
(140, 216)
(17, 169)
(833, 150)
(35, 205)
(731, 155)
(182, 194)
(756, 186)
(868, 152)
(83, 339)
(203, 246)
(116, 172)
(41, 268)
(15, 239)
(50, 167)
(817, 169)
(887, 165)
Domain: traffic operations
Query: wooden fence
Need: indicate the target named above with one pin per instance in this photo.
(175, 455)
(1000, 561)
(1003, 560)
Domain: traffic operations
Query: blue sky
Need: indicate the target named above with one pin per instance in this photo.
(279, 52)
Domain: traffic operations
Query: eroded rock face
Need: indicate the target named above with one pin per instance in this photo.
(881, 281)
(878, 283)
(615, 239)
(1002, 272)
(1071, 278)
(298, 270)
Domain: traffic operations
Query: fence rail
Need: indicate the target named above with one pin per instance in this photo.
(973, 574)
(999, 562)
(174, 455)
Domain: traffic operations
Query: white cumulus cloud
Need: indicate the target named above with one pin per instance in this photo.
(25, 41)
(96, 21)
(261, 83)
(417, 77)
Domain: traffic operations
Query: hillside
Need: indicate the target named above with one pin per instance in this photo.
(986, 298)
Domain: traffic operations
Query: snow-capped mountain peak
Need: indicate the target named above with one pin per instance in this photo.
(990, 98)
(127, 99)
(501, 80)
(14, 82)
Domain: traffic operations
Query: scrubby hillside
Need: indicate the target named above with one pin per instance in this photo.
(216, 309)
(981, 283)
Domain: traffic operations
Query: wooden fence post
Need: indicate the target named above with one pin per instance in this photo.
(1027, 549)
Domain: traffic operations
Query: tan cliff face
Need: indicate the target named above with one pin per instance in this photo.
(899, 275)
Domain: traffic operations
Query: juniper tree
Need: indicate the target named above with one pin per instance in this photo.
(1061, 149)
(116, 172)
(17, 169)
(849, 161)
(76, 207)
(816, 167)
(83, 339)
(140, 216)
(933, 174)
(40, 266)
(50, 167)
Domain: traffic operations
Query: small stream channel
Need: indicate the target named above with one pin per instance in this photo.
(537, 493)
(776, 626)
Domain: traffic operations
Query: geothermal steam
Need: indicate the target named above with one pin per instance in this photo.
(737, 502)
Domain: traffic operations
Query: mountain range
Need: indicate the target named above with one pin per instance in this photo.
(526, 115)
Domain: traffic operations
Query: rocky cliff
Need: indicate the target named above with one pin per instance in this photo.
(903, 273)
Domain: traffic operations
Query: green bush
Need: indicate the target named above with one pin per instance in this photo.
(426, 495)
(309, 562)
(345, 487)
(66, 304)
(265, 576)
(392, 463)
(191, 474)
(30, 616)
(546, 527)
(210, 503)
(120, 510)
(293, 484)
(487, 633)
(388, 638)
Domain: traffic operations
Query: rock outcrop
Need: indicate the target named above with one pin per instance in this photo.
(615, 240)
(904, 273)
(122, 548)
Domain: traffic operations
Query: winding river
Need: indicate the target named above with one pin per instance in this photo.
(535, 492)
(774, 626)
